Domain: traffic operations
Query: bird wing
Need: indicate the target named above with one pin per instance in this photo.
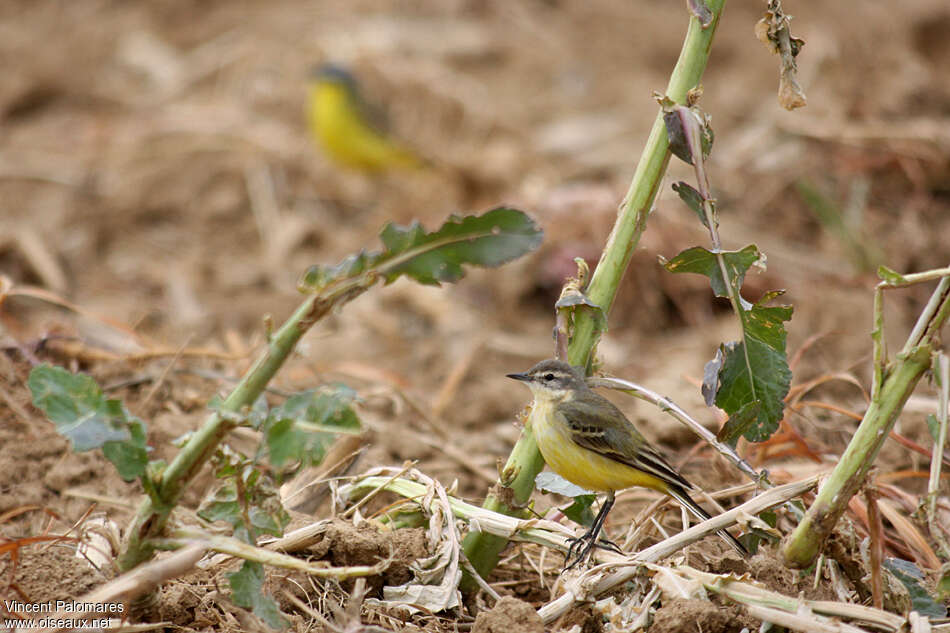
(620, 442)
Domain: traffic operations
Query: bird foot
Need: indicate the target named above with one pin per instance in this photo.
(581, 547)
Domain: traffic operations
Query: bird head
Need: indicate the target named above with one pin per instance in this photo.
(552, 380)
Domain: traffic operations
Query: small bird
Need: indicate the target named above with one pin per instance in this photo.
(343, 124)
(588, 441)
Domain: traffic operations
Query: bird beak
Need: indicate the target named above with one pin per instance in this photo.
(522, 377)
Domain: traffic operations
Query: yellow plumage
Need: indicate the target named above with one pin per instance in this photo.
(339, 124)
(587, 440)
(580, 465)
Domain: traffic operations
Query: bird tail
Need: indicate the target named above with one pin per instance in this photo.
(687, 502)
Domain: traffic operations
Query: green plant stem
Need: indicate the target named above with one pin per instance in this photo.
(525, 462)
(646, 183)
(804, 544)
(153, 513)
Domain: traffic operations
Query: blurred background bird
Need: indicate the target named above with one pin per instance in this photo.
(347, 128)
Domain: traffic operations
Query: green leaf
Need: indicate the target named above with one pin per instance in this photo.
(749, 378)
(693, 200)
(891, 276)
(305, 426)
(943, 585)
(82, 414)
(755, 371)
(703, 261)
(912, 578)
(247, 590)
(129, 458)
(933, 426)
(740, 423)
(248, 499)
(491, 239)
(579, 511)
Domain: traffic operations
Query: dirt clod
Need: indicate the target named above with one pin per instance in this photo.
(693, 616)
(509, 615)
(344, 544)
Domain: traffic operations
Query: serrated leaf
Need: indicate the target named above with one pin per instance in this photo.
(302, 428)
(693, 200)
(755, 370)
(704, 262)
(912, 578)
(81, 413)
(247, 590)
(491, 239)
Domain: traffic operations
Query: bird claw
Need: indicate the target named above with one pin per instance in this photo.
(581, 547)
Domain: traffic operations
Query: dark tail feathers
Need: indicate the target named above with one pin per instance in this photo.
(680, 495)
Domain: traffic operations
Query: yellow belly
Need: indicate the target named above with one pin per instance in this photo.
(336, 122)
(579, 465)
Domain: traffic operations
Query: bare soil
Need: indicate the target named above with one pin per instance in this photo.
(159, 196)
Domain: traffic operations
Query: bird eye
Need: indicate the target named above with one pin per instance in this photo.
(549, 376)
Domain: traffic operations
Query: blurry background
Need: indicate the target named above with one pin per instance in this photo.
(156, 170)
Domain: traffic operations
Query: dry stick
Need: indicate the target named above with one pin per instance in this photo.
(241, 550)
(747, 593)
(933, 485)
(891, 389)
(597, 580)
(134, 584)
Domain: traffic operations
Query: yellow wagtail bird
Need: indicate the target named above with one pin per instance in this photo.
(344, 126)
(588, 441)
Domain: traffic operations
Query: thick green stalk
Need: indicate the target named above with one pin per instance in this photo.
(804, 544)
(152, 515)
(525, 462)
(646, 183)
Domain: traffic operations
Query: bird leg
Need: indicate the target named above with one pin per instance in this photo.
(581, 546)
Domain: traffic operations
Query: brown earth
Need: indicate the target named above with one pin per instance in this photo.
(158, 185)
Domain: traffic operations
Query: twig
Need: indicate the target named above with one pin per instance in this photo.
(376, 491)
(161, 378)
(749, 594)
(239, 549)
(598, 579)
(133, 584)
(668, 406)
